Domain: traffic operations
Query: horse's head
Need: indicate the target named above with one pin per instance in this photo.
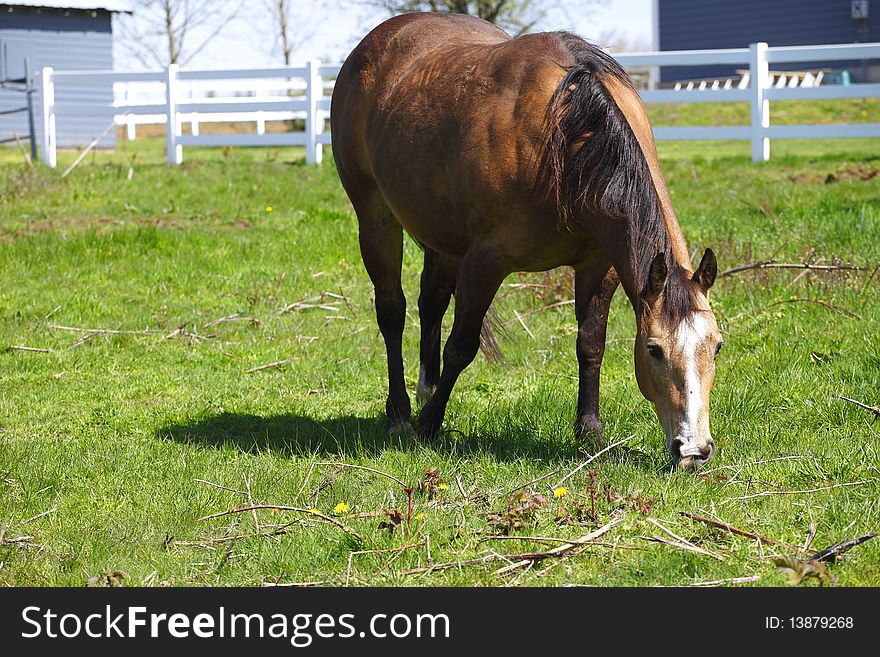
(676, 345)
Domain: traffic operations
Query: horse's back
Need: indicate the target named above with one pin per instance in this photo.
(380, 62)
(444, 115)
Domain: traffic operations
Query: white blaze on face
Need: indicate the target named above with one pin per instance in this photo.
(690, 336)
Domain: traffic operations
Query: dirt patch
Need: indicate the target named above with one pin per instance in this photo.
(857, 172)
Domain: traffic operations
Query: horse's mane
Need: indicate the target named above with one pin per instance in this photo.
(595, 163)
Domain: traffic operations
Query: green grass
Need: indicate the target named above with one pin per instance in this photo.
(111, 435)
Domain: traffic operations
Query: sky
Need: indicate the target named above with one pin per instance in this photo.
(336, 27)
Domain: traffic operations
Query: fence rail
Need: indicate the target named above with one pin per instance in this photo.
(301, 93)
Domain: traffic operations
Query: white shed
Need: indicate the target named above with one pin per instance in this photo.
(76, 34)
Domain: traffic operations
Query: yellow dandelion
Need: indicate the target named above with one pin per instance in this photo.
(340, 508)
(268, 208)
(562, 491)
(443, 487)
(420, 516)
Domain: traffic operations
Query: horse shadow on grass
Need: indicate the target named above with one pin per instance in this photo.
(296, 435)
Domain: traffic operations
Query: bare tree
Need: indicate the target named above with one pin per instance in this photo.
(285, 14)
(160, 32)
(515, 16)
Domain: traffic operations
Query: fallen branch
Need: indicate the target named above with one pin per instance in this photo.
(527, 560)
(831, 553)
(770, 264)
(363, 467)
(746, 465)
(24, 153)
(296, 509)
(824, 304)
(57, 327)
(873, 409)
(88, 149)
(293, 584)
(523, 324)
(235, 317)
(18, 347)
(558, 470)
(40, 515)
(684, 543)
(521, 559)
(277, 363)
(352, 555)
(591, 459)
(733, 530)
(722, 582)
(211, 483)
(795, 492)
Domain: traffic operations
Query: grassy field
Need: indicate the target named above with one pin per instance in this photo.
(113, 446)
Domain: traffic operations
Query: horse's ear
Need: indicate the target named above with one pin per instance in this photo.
(657, 275)
(707, 271)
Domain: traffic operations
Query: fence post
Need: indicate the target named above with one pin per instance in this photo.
(172, 131)
(47, 107)
(759, 71)
(314, 117)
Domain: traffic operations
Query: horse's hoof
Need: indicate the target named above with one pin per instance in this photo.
(588, 431)
(401, 429)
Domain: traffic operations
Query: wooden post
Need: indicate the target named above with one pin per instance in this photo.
(47, 103)
(172, 127)
(314, 117)
(759, 71)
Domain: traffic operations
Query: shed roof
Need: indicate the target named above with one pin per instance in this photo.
(108, 5)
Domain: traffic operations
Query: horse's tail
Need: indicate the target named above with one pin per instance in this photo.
(491, 328)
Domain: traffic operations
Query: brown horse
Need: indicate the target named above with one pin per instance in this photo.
(501, 154)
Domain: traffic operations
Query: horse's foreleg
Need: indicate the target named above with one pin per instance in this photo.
(593, 294)
(381, 241)
(437, 286)
(479, 277)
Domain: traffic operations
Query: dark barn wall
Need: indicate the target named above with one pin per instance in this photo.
(65, 40)
(690, 25)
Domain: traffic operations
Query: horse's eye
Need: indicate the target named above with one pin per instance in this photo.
(718, 348)
(656, 351)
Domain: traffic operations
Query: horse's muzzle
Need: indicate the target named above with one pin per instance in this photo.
(689, 456)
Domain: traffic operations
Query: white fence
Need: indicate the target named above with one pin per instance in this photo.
(303, 95)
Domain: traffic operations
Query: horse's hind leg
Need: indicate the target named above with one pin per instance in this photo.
(479, 277)
(381, 241)
(437, 287)
(593, 294)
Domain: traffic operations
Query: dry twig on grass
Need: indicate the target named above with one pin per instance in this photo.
(680, 542)
(872, 409)
(363, 467)
(558, 470)
(591, 459)
(18, 347)
(76, 329)
(795, 492)
(352, 555)
(268, 366)
(770, 264)
(733, 530)
(824, 304)
(521, 560)
(722, 582)
(24, 153)
(235, 317)
(296, 509)
(292, 584)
